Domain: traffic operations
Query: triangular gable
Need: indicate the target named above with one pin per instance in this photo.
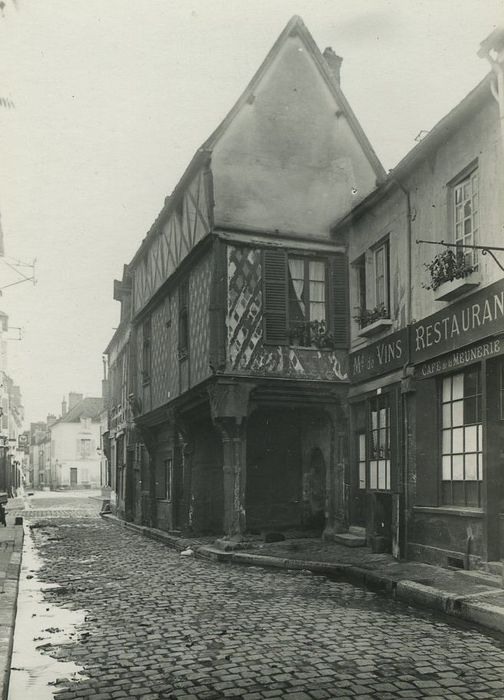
(297, 26)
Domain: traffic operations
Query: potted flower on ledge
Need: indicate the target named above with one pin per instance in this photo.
(311, 334)
(450, 275)
(373, 321)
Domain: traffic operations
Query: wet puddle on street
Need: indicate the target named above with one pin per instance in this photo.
(40, 629)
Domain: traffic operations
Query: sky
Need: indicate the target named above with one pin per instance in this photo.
(113, 97)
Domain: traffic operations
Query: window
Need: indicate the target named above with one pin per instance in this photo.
(462, 438)
(146, 352)
(501, 390)
(379, 444)
(381, 270)
(183, 327)
(164, 476)
(361, 450)
(85, 447)
(306, 280)
(466, 215)
(360, 269)
(304, 299)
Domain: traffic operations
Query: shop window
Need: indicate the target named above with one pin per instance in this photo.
(501, 389)
(466, 215)
(462, 438)
(379, 444)
(183, 325)
(304, 300)
(361, 447)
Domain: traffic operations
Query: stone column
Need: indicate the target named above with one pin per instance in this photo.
(336, 486)
(229, 404)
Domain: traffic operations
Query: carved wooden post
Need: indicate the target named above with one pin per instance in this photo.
(229, 404)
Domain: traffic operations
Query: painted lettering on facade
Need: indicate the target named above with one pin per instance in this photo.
(460, 358)
(479, 317)
(379, 358)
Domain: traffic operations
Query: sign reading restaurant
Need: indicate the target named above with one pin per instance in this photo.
(472, 319)
(444, 333)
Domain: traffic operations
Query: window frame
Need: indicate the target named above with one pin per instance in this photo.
(307, 259)
(146, 352)
(471, 256)
(183, 319)
(383, 245)
(164, 469)
(458, 492)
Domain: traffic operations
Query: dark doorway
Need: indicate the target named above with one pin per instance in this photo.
(274, 481)
(73, 476)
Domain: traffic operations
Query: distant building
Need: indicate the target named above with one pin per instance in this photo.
(74, 444)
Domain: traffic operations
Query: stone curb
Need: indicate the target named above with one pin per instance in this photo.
(8, 602)
(482, 614)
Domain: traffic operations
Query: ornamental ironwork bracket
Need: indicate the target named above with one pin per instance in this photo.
(485, 249)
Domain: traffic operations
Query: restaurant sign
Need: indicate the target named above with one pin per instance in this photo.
(381, 357)
(460, 358)
(457, 325)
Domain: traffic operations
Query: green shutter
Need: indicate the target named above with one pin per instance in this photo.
(339, 297)
(275, 296)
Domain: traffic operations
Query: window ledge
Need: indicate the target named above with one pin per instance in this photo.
(456, 288)
(378, 326)
(461, 511)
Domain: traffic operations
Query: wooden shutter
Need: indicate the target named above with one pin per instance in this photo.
(275, 296)
(339, 299)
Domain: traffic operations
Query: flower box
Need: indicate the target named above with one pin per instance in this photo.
(447, 291)
(378, 326)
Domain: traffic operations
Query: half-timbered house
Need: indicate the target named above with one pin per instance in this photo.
(231, 356)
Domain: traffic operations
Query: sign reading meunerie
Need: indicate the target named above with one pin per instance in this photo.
(460, 358)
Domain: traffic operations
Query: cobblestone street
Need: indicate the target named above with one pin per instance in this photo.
(161, 625)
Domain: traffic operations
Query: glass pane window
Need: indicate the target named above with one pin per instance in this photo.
(379, 441)
(307, 296)
(466, 215)
(362, 460)
(381, 258)
(461, 438)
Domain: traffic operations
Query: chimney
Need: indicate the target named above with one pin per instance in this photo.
(51, 419)
(74, 399)
(334, 63)
(63, 408)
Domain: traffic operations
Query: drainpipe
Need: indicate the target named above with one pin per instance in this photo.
(404, 396)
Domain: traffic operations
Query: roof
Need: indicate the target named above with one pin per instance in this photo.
(90, 407)
(203, 154)
(436, 136)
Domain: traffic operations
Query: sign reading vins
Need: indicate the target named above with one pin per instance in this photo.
(381, 357)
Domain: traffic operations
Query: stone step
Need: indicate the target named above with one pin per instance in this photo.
(357, 530)
(495, 568)
(349, 540)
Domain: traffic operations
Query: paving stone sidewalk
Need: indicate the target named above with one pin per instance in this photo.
(11, 546)
(474, 596)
